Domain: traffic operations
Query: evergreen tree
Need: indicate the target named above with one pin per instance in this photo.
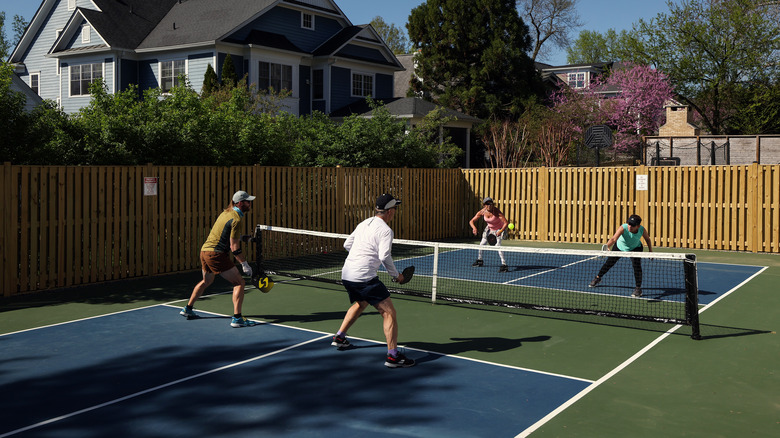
(229, 77)
(210, 81)
(473, 56)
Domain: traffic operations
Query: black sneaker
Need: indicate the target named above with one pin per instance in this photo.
(595, 281)
(503, 268)
(399, 361)
(340, 343)
(477, 263)
(637, 292)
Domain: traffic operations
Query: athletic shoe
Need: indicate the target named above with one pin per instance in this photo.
(477, 263)
(399, 361)
(242, 322)
(503, 268)
(188, 313)
(637, 292)
(595, 281)
(340, 343)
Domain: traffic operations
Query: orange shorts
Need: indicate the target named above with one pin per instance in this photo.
(215, 262)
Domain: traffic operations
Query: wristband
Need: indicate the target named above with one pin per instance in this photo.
(237, 252)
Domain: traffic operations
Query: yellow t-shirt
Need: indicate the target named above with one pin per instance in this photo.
(226, 227)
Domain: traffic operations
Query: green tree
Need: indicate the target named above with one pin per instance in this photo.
(473, 56)
(210, 81)
(394, 37)
(229, 77)
(592, 47)
(710, 49)
(5, 45)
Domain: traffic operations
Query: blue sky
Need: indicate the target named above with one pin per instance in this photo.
(596, 15)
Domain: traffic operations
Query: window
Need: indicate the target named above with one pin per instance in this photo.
(85, 34)
(318, 87)
(307, 21)
(577, 80)
(170, 72)
(81, 76)
(362, 85)
(35, 81)
(276, 76)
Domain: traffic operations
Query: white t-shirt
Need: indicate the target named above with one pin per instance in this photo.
(369, 246)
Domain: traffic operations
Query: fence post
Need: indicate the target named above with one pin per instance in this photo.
(151, 245)
(341, 207)
(543, 206)
(753, 211)
(6, 189)
(642, 197)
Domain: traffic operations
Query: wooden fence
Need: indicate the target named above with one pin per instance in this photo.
(67, 226)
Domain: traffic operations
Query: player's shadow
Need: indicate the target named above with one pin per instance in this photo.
(488, 344)
(313, 317)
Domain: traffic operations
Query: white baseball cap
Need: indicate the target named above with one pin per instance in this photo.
(242, 196)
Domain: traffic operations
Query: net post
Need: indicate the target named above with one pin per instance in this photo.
(692, 296)
(257, 239)
(435, 274)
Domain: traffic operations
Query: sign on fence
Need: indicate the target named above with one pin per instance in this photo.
(150, 185)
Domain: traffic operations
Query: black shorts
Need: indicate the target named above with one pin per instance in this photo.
(373, 291)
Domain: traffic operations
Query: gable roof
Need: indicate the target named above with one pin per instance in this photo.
(199, 21)
(125, 23)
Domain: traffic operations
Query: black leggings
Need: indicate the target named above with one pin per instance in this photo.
(636, 261)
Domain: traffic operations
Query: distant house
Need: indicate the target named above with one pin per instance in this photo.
(308, 47)
(576, 76)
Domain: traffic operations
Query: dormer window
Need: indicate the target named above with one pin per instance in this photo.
(577, 80)
(307, 21)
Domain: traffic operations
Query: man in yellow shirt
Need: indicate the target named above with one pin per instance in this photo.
(225, 236)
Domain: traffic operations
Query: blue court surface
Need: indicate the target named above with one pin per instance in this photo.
(149, 372)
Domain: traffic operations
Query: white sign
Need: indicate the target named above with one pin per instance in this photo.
(641, 182)
(150, 185)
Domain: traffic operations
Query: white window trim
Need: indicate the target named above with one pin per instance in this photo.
(584, 79)
(37, 75)
(71, 5)
(103, 72)
(86, 34)
(285, 63)
(160, 66)
(304, 14)
(352, 79)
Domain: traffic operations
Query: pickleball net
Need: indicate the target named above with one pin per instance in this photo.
(536, 278)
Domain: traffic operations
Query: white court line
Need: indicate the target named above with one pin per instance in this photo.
(620, 367)
(146, 391)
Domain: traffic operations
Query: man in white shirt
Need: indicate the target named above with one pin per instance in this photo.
(370, 246)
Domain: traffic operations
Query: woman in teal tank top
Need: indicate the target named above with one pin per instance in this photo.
(628, 237)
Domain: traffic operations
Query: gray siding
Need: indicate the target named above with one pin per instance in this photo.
(197, 64)
(304, 87)
(341, 88)
(34, 59)
(94, 39)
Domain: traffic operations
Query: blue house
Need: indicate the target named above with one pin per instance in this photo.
(308, 47)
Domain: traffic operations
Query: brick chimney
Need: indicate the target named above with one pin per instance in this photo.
(679, 121)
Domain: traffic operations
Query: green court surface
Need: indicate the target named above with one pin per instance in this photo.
(648, 383)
